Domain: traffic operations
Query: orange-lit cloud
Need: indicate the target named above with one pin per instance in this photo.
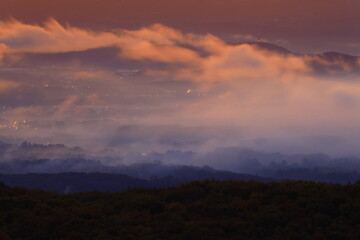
(3, 49)
(7, 85)
(50, 38)
(155, 43)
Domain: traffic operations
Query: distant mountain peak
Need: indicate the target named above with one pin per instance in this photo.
(337, 56)
(325, 63)
(270, 47)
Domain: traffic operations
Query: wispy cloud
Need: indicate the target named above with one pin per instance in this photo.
(7, 85)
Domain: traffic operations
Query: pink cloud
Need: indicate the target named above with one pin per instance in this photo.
(7, 85)
(51, 37)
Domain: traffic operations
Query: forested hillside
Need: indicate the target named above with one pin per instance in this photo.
(198, 210)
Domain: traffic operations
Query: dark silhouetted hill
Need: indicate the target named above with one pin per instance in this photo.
(85, 182)
(208, 210)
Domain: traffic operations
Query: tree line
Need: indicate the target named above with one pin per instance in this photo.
(198, 210)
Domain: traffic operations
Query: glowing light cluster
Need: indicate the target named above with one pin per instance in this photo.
(15, 125)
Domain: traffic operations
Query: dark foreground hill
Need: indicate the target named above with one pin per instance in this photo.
(198, 210)
(103, 182)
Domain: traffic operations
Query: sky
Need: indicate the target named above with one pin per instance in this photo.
(152, 76)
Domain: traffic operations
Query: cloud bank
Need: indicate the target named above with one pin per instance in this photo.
(195, 92)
